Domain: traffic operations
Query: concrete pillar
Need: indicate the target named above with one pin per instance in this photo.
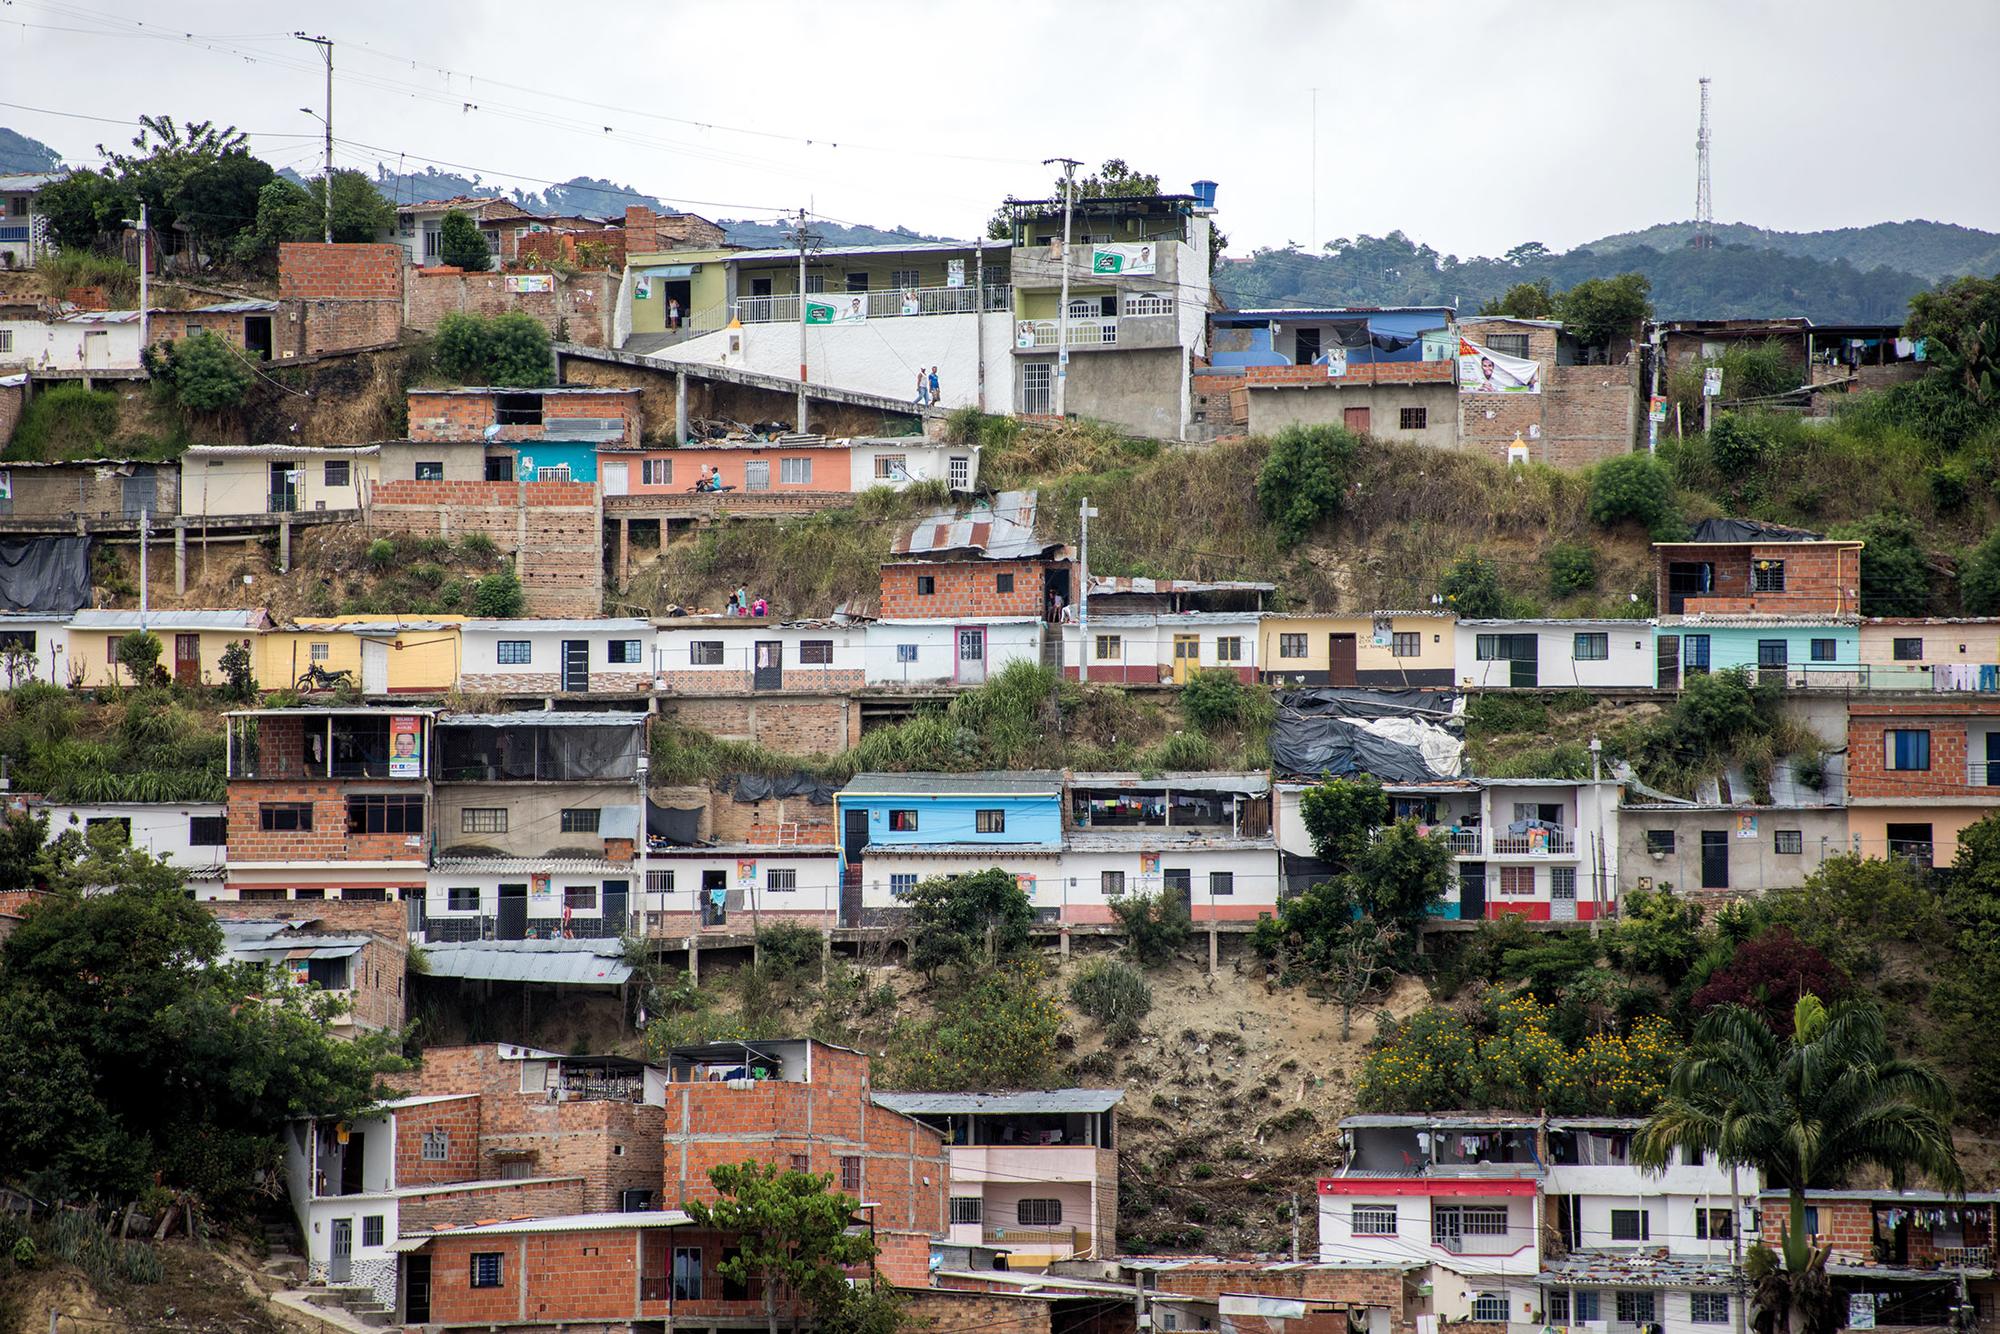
(284, 545)
(680, 408)
(694, 954)
(180, 558)
(1062, 937)
(1211, 949)
(624, 552)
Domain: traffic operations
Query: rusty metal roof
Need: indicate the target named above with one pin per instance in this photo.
(1001, 530)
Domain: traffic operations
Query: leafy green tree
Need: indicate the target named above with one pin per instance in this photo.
(1572, 569)
(1806, 1111)
(1965, 996)
(360, 213)
(1895, 573)
(1470, 586)
(139, 654)
(1340, 816)
(219, 200)
(1633, 486)
(85, 208)
(1979, 579)
(1657, 932)
(1360, 965)
(510, 351)
(1598, 312)
(91, 860)
(1524, 301)
(1960, 325)
(1214, 698)
(238, 672)
(1402, 875)
(1114, 180)
(792, 1232)
(461, 245)
(1155, 926)
(1305, 477)
(955, 921)
(284, 213)
(204, 372)
(129, 1055)
(23, 856)
(996, 1032)
(498, 595)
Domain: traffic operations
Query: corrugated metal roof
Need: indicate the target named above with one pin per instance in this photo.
(1003, 530)
(605, 1222)
(1440, 1120)
(248, 306)
(1139, 618)
(465, 865)
(985, 851)
(1033, 1101)
(1587, 1269)
(1158, 840)
(1179, 782)
(280, 451)
(1025, 782)
(249, 619)
(29, 180)
(585, 962)
(1110, 585)
(862, 251)
(589, 626)
(541, 718)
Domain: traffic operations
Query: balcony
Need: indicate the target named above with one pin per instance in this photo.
(1983, 773)
(1041, 266)
(890, 303)
(1123, 331)
(1535, 843)
(1074, 1240)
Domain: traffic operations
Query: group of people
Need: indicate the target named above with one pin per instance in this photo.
(740, 604)
(927, 387)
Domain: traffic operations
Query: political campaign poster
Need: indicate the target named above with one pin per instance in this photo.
(1124, 260)
(1481, 370)
(1335, 361)
(531, 282)
(954, 273)
(406, 746)
(836, 308)
(913, 303)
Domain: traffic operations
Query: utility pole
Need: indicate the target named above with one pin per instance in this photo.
(145, 263)
(802, 321)
(1069, 166)
(1295, 1227)
(1312, 237)
(145, 529)
(325, 45)
(1739, 1298)
(1597, 885)
(1085, 513)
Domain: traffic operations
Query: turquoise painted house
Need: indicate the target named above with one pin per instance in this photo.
(1811, 651)
(1008, 812)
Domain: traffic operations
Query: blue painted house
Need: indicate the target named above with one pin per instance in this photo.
(1811, 652)
(908, 827)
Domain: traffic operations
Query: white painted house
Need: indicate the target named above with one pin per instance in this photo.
(1555, 655)
(91, 340)
(898, 462)
(1147, 648)
(601, 655)
(189, 835)
(955, 651)
(735, 887)
(738, 655)
(533, 898)
(32, 647)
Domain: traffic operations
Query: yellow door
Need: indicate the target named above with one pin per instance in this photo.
(1187, 657)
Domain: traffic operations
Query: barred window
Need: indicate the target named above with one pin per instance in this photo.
(966, 1208)
(659, 882)
(1229, 648)
(1413, 419)
(483, 820)
(1038, 1213)
(1374, 1220)
(1660, 840)
(1221, 884)
(486, 1270)
(624, 651)
(850, 1175)
(1637, 1308)
(1767, 576)
(1708, 1308)
(371, 1229)
(1788, 842)
(781, 879)
(1490, 1306)
(990, 822)
(437, 1146)
(320, 651)
(1631, 1225)
(514, 652)
(1112, 883)
(580, 820)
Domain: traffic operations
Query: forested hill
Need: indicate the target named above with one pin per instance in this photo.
(1931, 250)
(19, 153)
(1731, 280)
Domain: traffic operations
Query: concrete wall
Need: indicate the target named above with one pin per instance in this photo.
(1628, 644)
(878, 356)
(675, 900)
(534, 818)
(1142, 391)
(1755, 864)
(82, 343)
(1143, 647)
(161, 829)
(66, 492)
(1434, 663)
(675, 648)
(1327, 403)
(925, 653)
(807, 724)
(93, 652)
(1252, 887)
(241, 483)
(543, 670)
(43, 644)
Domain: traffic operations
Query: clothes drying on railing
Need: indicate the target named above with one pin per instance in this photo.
(1965, 676)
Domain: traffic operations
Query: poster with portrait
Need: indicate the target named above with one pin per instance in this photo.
(406, 746)
(913, 303)
(1124, 261)
(746, 871)
(1481, 370)
(531, 282)
(1335, 361)
(836, 307)
(954, 273)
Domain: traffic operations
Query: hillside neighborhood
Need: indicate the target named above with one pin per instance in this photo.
(570, 765)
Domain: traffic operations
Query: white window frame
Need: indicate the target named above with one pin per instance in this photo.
(795, 471)
(656, 472)
(1373, 1220)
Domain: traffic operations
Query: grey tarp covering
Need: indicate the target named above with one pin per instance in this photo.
(580, 754)
(1749, 530)
(674, 824)
(1308, 747)
(759, 787)
(44, 574)
(1355, 702)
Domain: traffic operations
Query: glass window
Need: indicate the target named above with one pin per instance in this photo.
(558, 473)
(486, 1271)
(1221, 884)
(903, 822)
(1708, 1308)
(1374, 1220)
(1508, 344)
(1486, 648)
(891, 467)
(1291, 646)
(781, 879)
(462, 898)
(1229, 648)
(385, 815)
(906, 653)
(1825, 650)
(1906, 748)
(1790, 842)
(580, 820)
(795, 472)
(904, 278)
(926, 585)
(1767, 576)
(1406, 644)
(336, 472)
(1517, 880)
(901, 884)
(371, 1229)
(1631, 1225)
(1038, 1213)
(1908, 650)
(1490, 1307)
(1110, 648)
(816, 652)
(285, 817)
(1636, 1308)
(990, 822)
(483, 820)
(625, 651)
(1660, 840)
(1112, 883)
(514, 652)
(580, 898)
(656, 472)
(966, 1208)
(208, 831)
(1694, 653)
(1558, 1306)
(430, 471)
(1713, 1225)
(1003, 583)
(687, 1273)
(705, 653)
(436, 1146)
(1591, 647)
(1772, 653)
(850, 1174)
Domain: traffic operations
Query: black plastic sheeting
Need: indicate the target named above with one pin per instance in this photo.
(758, 787)
(1353, 702)
(674, 824)
(1749, 530)
(44, 574)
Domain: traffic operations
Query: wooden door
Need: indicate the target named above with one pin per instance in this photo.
(1341, 656)
(187, 659)
(1355, 420)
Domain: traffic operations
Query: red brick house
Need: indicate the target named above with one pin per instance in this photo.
(1919, 770)
(1912, 1255)
(985, 562)
(1737, 565)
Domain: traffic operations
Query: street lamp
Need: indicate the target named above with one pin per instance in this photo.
(326, 177)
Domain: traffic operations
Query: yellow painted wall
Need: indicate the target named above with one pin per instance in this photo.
(243, 485)
(427, 659)
(708, 289)
(1435, 638)
(89, 651)
(1868, 826)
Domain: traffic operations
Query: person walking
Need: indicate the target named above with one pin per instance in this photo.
(923, 388)
(935, 400)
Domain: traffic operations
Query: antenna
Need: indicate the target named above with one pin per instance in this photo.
(1704, 207)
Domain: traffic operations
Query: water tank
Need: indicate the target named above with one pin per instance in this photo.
(1204, 194)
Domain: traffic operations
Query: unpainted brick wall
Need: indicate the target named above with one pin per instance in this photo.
(1868, 774)
(447, 1206)
(798, 724)
(12, 397)
(1819, 577)
(552, 529)
(379, 973)
(467, 415)
(964, 588)
(338, 297)
(578, 308)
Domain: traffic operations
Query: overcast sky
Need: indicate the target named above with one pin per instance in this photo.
(1470, 127)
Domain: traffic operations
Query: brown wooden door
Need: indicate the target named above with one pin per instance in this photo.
(1355, 420)
(1340, 656)
(187, 659)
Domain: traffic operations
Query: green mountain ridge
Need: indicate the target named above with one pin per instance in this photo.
(1932, 250)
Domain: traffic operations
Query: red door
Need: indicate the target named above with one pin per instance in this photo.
(1355, 420)
(187, 659)
(1340, 657)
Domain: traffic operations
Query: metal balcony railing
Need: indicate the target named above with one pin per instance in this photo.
(1551, 842)
(1082, 333)
(889, 303)
(1076, 1240)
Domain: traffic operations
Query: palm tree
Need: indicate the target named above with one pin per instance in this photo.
(1805, 1111)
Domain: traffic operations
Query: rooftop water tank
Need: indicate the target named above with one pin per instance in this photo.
(1204, 194)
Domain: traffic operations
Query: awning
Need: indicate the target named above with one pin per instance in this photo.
(668, 270)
